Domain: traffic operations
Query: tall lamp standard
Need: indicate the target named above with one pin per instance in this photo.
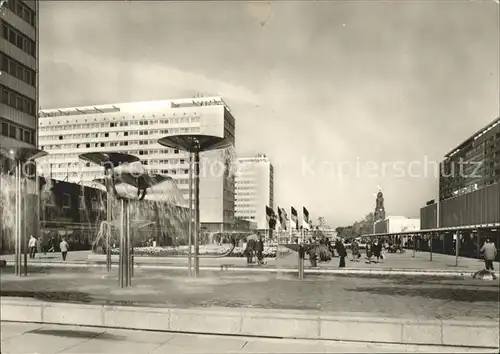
(194, 144)
(21, 156)
(142, 181)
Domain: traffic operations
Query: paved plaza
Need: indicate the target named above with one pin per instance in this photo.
(52, 339)
(399, 296)
(405, 261)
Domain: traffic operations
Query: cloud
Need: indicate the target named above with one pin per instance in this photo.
(140, 79)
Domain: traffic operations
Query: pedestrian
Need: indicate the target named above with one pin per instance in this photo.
(490, 253)
(339, 246)
(39, 247)
(377, 250)
(32, 246)
(259, 250)
(355, 251)
(249, 250)
(64, 248)
(52, 244)
(369, 252)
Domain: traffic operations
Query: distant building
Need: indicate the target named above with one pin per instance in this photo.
(18, 76)
(473, 164)
(469, 184)
(254, 182)
(134, 128)
(394, 224)
(379, 207)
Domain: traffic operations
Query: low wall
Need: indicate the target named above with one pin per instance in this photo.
(250, 322)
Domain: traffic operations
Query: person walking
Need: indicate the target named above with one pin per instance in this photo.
(52, 245)
(490, 253)
(369, 252)
(259, 250)
(377, 250)
(339, 246)
(39, 247)
(355, 251)
(32, 246)
(64, 248)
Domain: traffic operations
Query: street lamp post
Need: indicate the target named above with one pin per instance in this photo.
(190, 231)
(21, 156)
(195, 143)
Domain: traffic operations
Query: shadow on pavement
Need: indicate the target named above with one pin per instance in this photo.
(50, 295)
(462, 295)
(76, 334)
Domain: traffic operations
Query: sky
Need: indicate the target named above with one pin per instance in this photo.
(343, 97)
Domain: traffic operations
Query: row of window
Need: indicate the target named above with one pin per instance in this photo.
(118, 134)
(14, 131)
(128, 123)
(17, 101)
(93, 175)
(247, 206)
(13, 67)
(239, 188)
(113, 144)
(248, 217)
(18, 39)
(170, 162)
(245, 182)
(67, 157)
(22, 10)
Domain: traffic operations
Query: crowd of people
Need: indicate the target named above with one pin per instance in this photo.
(36, 245)
(324, 250)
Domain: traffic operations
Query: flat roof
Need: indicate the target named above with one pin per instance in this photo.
(480, 132)
(133, 106)
(442, 229)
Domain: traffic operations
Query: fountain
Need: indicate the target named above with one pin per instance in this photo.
(141, 182)
(194, 144)
(15, 219)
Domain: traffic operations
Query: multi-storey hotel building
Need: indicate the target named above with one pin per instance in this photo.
(473, 164)
(254, 180)
(134, 128)
(469, 183)
(18, 75)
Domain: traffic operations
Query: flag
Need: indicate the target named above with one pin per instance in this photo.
(271, 217)
(282, 217)
(295, 219)
(305, 219)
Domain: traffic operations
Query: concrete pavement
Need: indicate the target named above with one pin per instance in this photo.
(52, 339)
(404, 264)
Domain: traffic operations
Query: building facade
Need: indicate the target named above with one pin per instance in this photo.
(474, 164)
(379, 207)
(134, 128)
(469, 183)
(394, 224)
(254, 182)
(18, 76)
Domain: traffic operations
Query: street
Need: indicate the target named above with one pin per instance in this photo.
(52, 339)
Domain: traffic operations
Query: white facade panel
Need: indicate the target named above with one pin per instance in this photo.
(254, 189)
(399, 224)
